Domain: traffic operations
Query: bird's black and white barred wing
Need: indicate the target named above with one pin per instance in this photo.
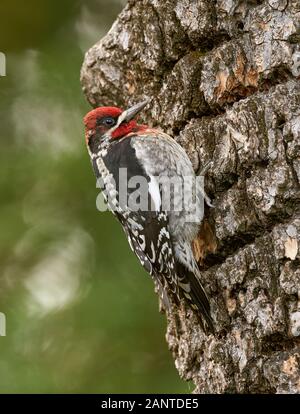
(149, 238)
(146, 228)
(161, 156)
(149, 229)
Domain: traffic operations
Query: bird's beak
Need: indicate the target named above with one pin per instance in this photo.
(130, 113)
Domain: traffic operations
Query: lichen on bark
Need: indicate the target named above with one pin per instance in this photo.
(223, 77)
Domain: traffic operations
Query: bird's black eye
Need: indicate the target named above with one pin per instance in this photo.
(109, 121)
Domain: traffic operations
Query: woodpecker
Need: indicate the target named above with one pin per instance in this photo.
(160, 236)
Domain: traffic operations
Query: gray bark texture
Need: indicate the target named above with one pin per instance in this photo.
(223, 77)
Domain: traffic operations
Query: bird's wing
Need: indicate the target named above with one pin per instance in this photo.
(147, 227)
(175, 160)
(149, 238)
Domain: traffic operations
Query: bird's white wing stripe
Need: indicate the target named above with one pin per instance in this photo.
(154, 192)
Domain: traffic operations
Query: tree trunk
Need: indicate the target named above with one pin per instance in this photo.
(224, 79)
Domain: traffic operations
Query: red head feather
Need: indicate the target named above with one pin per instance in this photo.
(90, 119)
(127, 123)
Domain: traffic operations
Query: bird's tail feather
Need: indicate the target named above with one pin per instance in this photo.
(194, 293)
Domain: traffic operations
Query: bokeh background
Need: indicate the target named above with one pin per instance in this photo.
(81, 313)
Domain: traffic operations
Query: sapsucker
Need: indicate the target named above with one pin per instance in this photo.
(160, 227)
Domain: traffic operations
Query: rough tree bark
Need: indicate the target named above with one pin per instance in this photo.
(224, 79)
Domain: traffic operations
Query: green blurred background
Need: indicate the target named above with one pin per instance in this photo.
(81, 313)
